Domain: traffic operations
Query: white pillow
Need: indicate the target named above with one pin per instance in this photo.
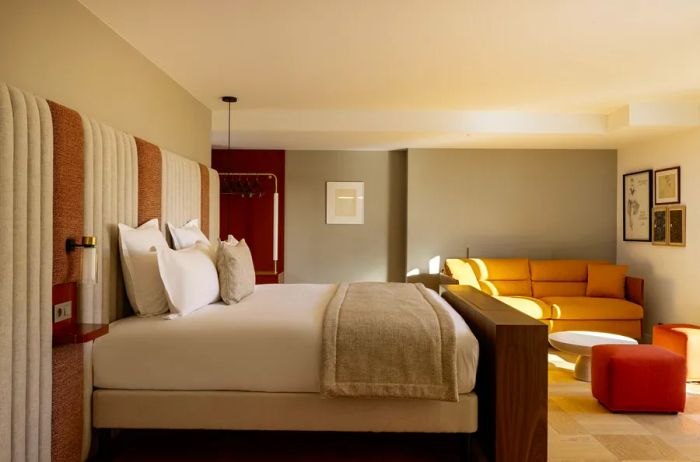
(187, 235)
(189, 277)
(140, 267)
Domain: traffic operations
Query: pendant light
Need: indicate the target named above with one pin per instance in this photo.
(229, 100)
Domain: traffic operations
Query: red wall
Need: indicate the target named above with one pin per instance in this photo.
(251, 219)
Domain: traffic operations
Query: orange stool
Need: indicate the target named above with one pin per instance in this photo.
(638, 378)
(682, 339)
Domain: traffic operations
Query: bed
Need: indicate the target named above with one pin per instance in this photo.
(255, 366)
(153, 373)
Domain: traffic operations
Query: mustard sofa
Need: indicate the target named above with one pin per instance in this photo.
(554, 291)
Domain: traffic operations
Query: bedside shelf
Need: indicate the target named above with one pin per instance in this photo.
(79, 333)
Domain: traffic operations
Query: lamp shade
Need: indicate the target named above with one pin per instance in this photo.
(89, 270)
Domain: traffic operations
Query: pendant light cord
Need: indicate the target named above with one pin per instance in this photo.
(229, 100)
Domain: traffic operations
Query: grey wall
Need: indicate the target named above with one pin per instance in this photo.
(317, 252)
(59, 50)
(511, 203)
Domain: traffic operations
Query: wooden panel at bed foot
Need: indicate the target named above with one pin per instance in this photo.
(511, 380)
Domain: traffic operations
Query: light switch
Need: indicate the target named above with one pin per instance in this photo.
(61, 311)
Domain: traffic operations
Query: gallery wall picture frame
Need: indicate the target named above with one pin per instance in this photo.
(676, 225)
(659, 227)
(345, 202)
(667, 186)
(637, 199)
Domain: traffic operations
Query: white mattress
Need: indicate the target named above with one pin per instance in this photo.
(269, 342)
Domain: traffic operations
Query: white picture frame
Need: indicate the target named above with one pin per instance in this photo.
(345, 202)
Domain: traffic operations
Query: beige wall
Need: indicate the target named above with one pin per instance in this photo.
(57, 49)
(510, 203)
(317, 252)
(671, 273)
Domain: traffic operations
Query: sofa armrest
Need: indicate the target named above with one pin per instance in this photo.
(634, 290)
(446, 271)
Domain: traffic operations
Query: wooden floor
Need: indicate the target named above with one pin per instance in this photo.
(580, 429)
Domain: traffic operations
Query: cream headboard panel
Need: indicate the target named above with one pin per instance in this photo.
(214, 224)
(111, 197)
(26, 234)
(182, 191)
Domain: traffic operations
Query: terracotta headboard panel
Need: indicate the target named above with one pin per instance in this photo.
(150, 180)
(68, 149)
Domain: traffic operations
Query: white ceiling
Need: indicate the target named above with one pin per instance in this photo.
(383, 74)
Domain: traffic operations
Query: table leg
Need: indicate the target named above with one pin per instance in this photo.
(582, 371)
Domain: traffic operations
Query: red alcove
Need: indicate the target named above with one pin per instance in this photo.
(251, 218)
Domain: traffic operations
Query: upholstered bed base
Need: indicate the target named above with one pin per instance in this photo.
(236, 410)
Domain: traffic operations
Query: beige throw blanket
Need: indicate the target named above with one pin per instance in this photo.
(388, 340)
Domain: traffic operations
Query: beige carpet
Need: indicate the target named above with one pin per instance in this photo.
(580, 429)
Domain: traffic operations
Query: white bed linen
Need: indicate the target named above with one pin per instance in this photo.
(269, 342)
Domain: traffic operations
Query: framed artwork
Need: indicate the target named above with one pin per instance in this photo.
(636, 206)
(345, 202)
(676, 225)
(668, 186)
(659, 227)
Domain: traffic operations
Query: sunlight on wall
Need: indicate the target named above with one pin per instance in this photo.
(413, 272)
(434, 265)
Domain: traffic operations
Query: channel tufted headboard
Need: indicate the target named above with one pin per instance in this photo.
(119, 179)
(64, 175)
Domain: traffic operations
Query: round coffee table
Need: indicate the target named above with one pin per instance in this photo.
(580, 342)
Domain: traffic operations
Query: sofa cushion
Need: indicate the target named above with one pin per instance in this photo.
(507, 288)
(502, 276)
(558, 289)
(500, 269)
(530, 306)
(494, 276)
(606, 281)
(560, 270)
(593, 308)
(459, 269)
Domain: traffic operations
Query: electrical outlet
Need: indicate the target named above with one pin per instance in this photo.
(61, 311)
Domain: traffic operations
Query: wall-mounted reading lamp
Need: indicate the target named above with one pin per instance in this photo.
(89, 257)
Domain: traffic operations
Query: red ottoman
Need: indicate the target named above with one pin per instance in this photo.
(638, 378)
